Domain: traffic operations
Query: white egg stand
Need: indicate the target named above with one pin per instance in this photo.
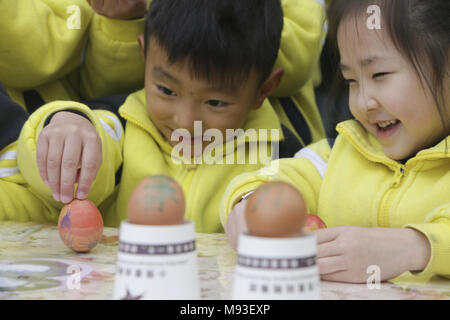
(157, 263)
(276, 268)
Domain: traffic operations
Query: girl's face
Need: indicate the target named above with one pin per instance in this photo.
(386, 95)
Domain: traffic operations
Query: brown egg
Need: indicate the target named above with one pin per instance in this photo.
(156, 200)
(275, 210)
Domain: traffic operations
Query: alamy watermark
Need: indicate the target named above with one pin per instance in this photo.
(374, 20)
(374, 280)
(74, 20)
(235, 146)
(73, 282)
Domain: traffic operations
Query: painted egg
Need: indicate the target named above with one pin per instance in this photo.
(80, 225)
(275, 210)
(313, 222)
(157, 200)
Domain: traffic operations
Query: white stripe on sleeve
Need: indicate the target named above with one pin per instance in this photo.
(8, 155)
(6, 172)
(316, 160)
(117, 131)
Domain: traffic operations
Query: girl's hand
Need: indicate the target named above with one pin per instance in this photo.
(345, 253)
(236, 224)
(67, 143)
(120, 9)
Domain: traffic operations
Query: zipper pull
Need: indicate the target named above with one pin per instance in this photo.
(398, 177)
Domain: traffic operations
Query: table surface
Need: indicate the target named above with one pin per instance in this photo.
(35, 264)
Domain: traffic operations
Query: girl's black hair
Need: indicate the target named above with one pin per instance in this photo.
(221, 40)
(420, 30)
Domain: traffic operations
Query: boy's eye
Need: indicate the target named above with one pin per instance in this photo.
(349, 81)
(166, 91)
(216, 103)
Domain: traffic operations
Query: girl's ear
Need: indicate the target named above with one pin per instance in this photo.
(141, 41)
(269, 86)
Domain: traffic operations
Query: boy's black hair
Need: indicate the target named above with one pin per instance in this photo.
(221, 40)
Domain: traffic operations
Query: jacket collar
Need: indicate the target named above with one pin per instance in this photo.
(369, 146)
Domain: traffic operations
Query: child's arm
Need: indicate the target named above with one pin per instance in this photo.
(113, 62)
(70, 141)
(301, 44)
(39, 43)
(120, 9)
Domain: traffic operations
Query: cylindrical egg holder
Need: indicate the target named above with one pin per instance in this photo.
(157, 263)
(276, 268)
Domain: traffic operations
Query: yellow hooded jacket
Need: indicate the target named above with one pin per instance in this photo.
(355, 183)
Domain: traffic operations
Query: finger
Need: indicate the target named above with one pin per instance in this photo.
(90, 163)
(69, 167)
(326, 234)
(340, 276)
(41, 157)
(330, 265)
(328, 249)
(54, 157)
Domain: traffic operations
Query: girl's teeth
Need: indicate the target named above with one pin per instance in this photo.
(386, 123)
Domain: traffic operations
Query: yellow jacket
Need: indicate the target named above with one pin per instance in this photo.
(45, 47)
(301, 44)
(142, 151)
(354, 183)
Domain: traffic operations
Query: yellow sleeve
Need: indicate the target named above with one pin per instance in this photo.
(301, 43)
(436, 228)
(113, 63)
(41, 40)
(303, 172)
(111, 133)
(17, 201)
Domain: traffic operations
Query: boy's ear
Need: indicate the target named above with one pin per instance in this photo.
(269, 86)
(141, 41)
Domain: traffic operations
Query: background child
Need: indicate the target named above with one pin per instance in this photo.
(383, 186)
(219, 71)
(46, 55)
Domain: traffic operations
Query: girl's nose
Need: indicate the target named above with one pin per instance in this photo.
(367, 101)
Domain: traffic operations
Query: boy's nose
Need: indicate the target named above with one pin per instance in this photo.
(184, 117)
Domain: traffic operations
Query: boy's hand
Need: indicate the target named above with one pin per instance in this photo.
(67, 143)
(236, 224)
(120, 9)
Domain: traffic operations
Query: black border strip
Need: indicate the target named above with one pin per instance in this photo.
(156, 249)
(276, 263)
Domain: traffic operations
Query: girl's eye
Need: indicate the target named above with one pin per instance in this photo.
(166, 91)
(379, 75)
(216, 103)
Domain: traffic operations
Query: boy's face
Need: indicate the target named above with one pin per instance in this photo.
(386, 95)
(175, 99)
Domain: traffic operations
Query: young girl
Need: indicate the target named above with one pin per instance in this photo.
(383, 186)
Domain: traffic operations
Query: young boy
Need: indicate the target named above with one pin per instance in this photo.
(218, 71)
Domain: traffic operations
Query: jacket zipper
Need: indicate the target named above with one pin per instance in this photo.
(186, 180)
(386, 202)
